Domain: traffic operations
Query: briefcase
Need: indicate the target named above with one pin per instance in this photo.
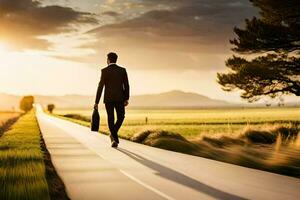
(95, 123)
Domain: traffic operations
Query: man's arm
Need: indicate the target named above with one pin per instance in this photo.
(126, 88)
(99, 90)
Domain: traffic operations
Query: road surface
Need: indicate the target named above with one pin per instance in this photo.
(91, 169)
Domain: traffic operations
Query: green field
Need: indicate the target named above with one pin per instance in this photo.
(196, 123)
(26, 170)
(22, 168)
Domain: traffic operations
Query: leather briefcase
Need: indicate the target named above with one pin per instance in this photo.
(95, 123)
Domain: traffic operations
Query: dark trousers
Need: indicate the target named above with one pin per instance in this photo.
(115, 126)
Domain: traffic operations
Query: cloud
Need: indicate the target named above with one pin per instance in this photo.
(176, 30)
(111, 13)
(24, 23)
(194, 23)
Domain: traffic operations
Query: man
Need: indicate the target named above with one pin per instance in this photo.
(116, 95)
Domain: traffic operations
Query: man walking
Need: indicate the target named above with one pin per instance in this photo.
(116, 96)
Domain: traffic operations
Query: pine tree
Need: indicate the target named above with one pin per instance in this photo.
(274, 42)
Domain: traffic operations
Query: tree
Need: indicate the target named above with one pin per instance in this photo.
(274, 42)
(50, 108)
(26, 103)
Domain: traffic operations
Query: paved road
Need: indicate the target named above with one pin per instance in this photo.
(91, 169)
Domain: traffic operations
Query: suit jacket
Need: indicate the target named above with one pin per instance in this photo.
(115, 80)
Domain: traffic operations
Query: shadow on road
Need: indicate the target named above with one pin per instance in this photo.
(180, 178)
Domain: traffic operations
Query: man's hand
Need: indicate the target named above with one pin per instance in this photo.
(126, 103)
(96, 106)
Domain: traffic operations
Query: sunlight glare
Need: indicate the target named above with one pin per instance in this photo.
(3, 48)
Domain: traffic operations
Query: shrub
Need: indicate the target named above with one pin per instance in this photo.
(78, 117)
(140, 137)
(287, 133)
(269, 135)
(223, 141)
(264, 137)
(165, 140)
(50, 107)
(26, 103)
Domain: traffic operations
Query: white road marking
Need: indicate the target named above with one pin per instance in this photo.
(147, 186)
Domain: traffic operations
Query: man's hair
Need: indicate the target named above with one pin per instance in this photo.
(112, 57)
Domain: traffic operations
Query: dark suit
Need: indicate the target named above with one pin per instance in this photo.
(115, 81)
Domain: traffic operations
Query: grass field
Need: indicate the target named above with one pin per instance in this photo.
(7, 119)
(22, 168)
(196, 123)
(4, 116)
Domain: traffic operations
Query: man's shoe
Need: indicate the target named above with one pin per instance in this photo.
(114, 144)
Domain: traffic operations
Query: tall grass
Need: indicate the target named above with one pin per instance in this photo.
(193, 123)
(271, 149)
(22, 168)
(269, 134)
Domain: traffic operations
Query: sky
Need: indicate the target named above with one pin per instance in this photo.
(58, 47)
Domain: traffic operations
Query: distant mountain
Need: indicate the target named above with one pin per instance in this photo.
(67, 101)
(176, 98)
(172, 99)
(168, 99)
